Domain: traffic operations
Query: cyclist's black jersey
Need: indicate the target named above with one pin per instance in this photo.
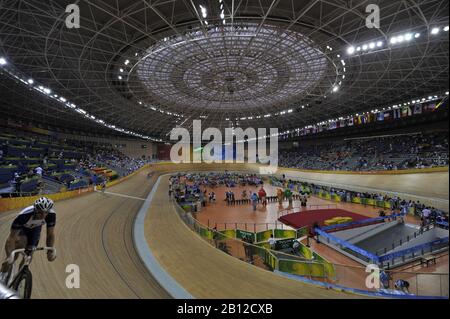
(30, 227)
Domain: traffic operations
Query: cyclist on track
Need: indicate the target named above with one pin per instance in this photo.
(26, 230)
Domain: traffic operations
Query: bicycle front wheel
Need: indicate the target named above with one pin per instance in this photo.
(23, 284)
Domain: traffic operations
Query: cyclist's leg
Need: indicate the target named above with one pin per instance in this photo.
(33, 236)
(5, 268)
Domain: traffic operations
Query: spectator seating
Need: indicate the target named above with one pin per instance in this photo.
(370, 154)
(77, 184)
(7, 173)
(29, 186)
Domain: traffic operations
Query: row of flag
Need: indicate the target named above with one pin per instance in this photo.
(382, 116)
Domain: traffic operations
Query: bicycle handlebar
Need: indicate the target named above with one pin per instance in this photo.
(12, 256)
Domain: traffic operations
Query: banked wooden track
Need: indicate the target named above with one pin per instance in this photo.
(95, 233)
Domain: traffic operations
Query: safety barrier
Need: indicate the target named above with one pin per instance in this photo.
(442, 224)
(385, 260)
(253, 227)
(404, 255)
(360, 253)
(355, 200)
(397, 172)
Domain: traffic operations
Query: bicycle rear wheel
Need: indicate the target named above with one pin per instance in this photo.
(23, 284)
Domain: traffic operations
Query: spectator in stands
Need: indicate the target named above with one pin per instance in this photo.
(272, 241)
(426, 214)
(419, 151)
(263, 195)
(30, 173)
(402, 285)
(254, 199)
(385, 279)
(280, 196)
(39, 171)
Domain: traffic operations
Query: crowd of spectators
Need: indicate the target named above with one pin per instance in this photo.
(94, 155)
(108, 156)
(380, 153)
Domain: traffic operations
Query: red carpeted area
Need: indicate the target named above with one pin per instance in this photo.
(308, 218)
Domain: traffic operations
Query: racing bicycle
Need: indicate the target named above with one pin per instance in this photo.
(19, 278)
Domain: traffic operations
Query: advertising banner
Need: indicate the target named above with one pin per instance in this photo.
(263, 236)
(284, 233)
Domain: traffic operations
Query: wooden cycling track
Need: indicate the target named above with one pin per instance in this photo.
(95, 232)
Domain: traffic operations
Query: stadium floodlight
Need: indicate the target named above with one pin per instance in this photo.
(435, 31)
(365, 47)
(446, 93)
(417, 35)
(30, 81)
(446, 29)
(400, 38)
(222, 15)
(358, 49)
(204, 12)
(379, 44)
(408, 37)
(121, 70)
(2, 61)
(335, 88)
(372, 45)
(47, 91)
(63, 99)
(127, 62)
(393, 40)
(120, 77)
(351, 50)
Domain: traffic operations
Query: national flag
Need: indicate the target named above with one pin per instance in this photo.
(406, 111)
(380, 116)
(387, 115)
(418, 108)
